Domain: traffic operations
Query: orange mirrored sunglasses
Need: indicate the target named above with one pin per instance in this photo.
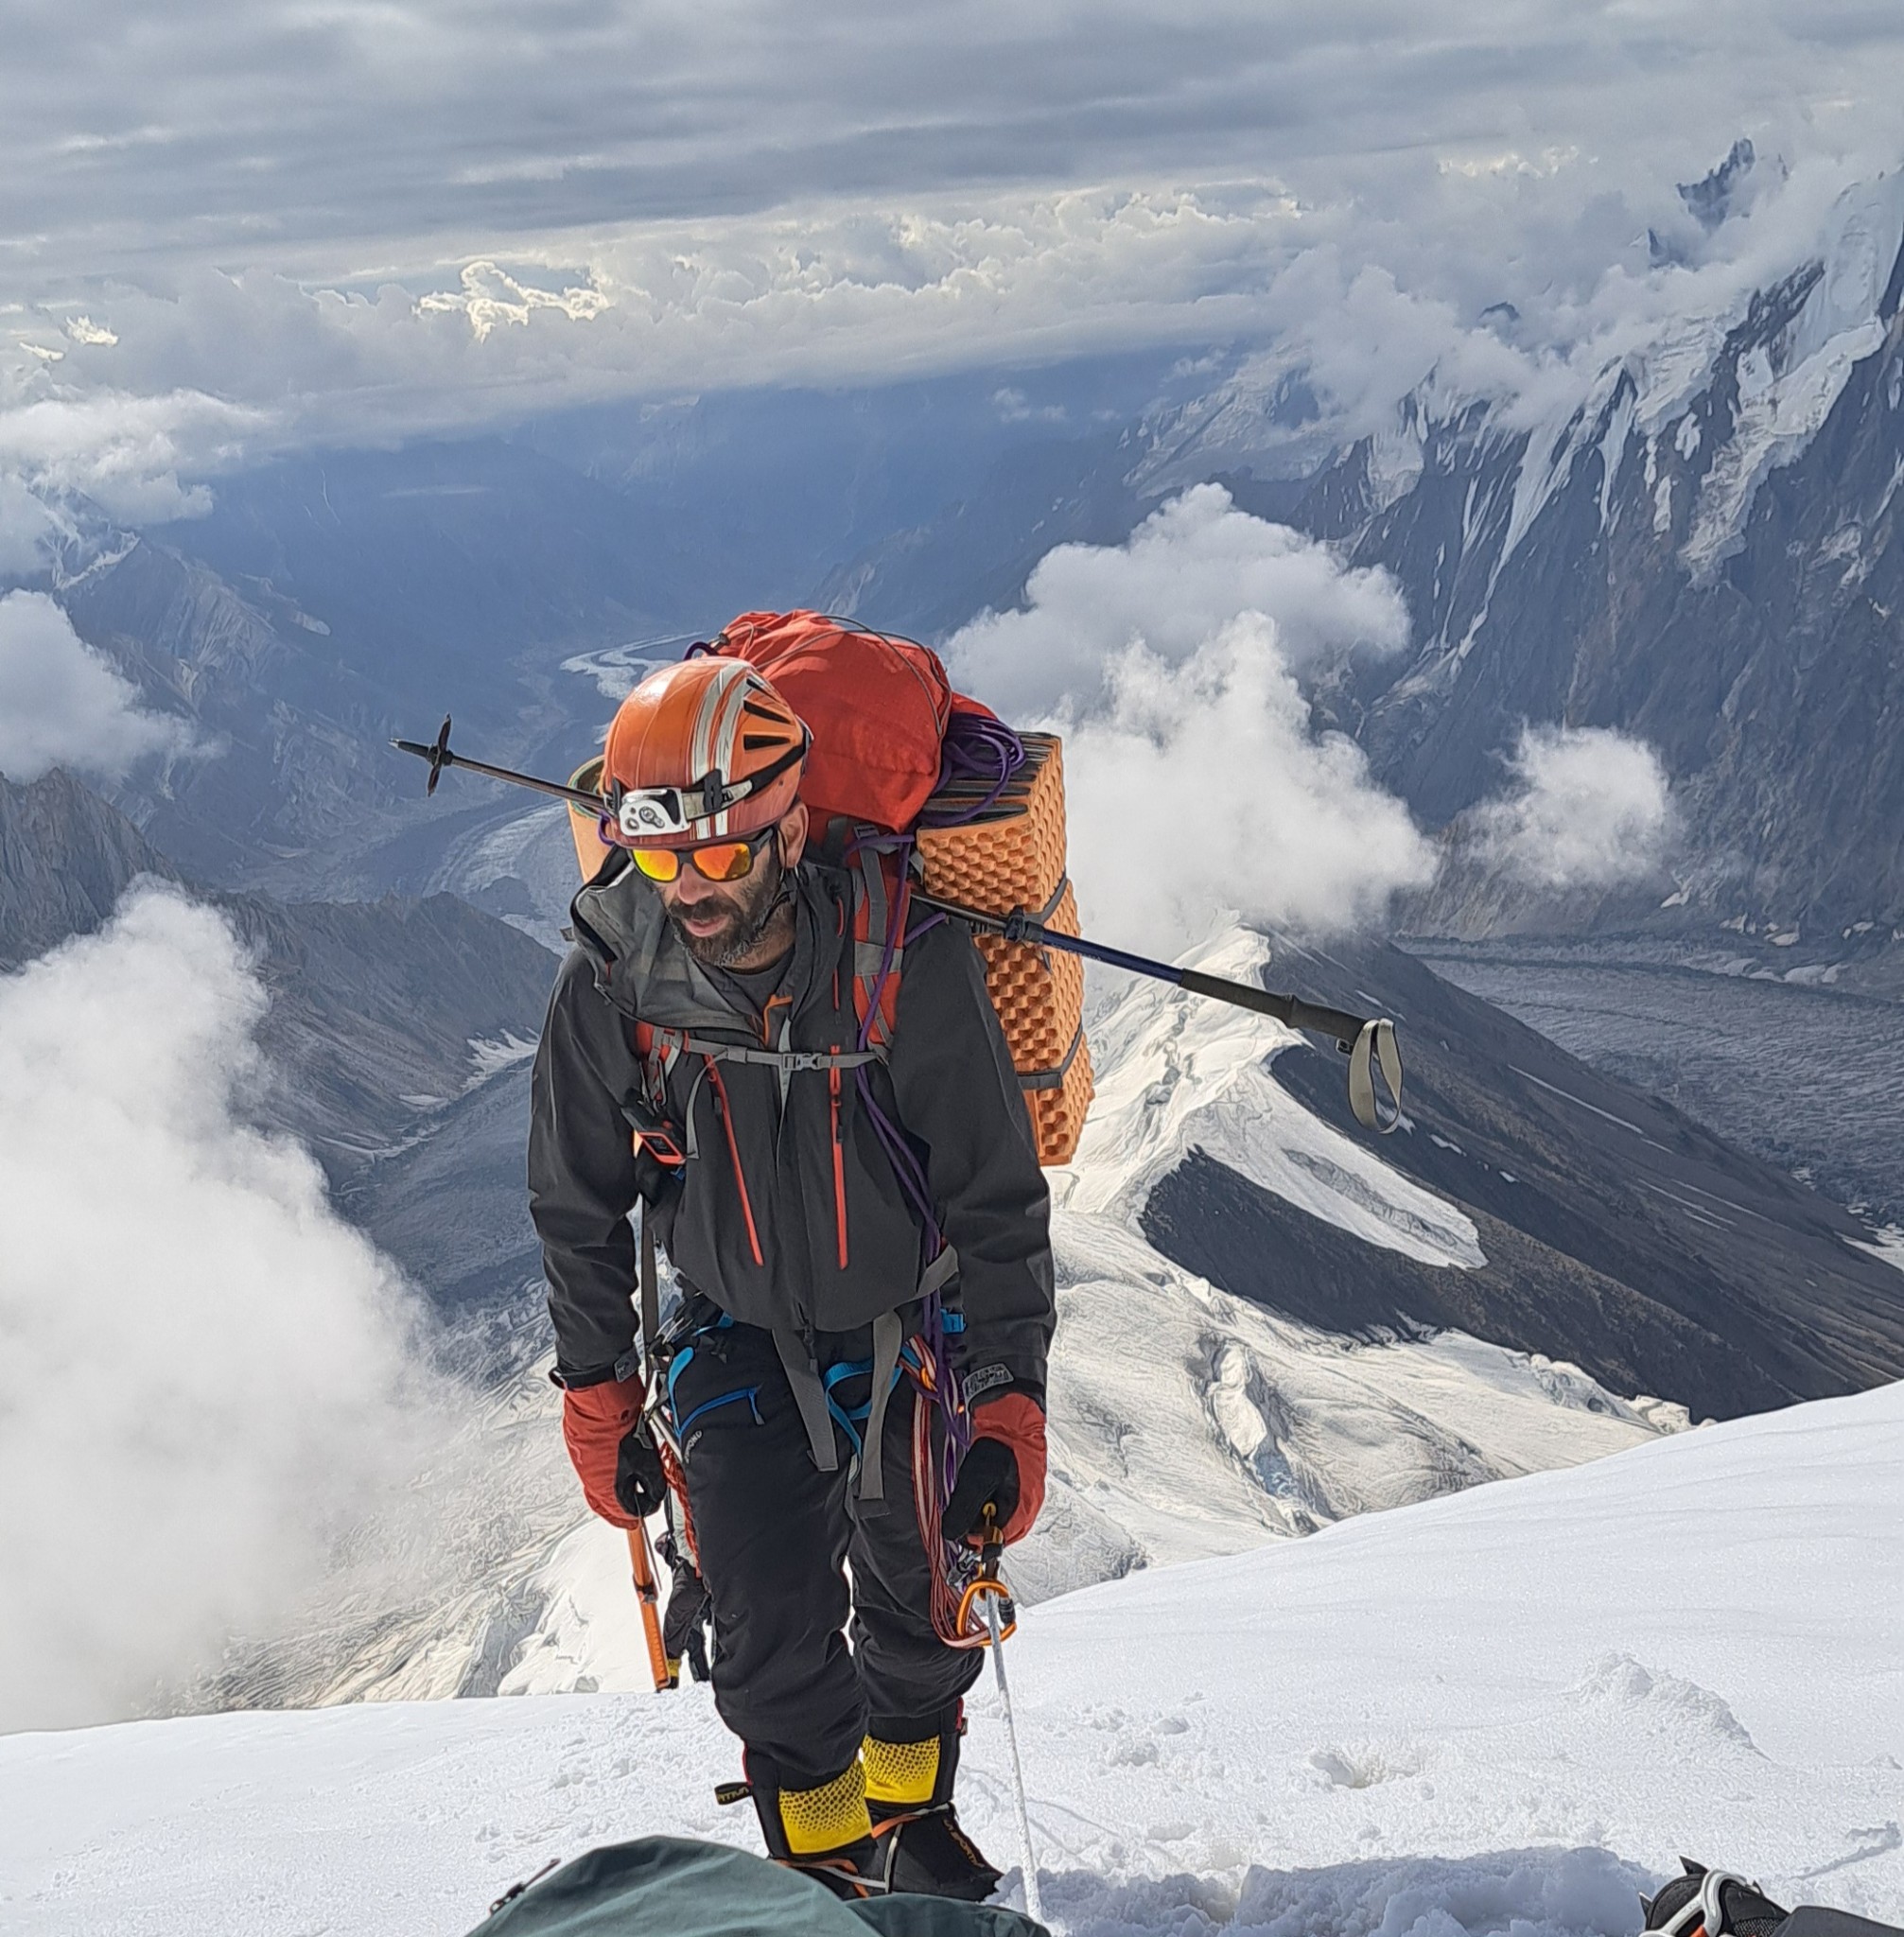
(713, 860)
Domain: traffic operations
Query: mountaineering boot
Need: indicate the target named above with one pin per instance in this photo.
(909, 1772)
(824, 1830)
(1717, 1902)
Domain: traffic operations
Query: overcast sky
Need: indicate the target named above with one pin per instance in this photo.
(229, 227)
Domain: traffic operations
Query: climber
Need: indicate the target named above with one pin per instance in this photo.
(821, 1121)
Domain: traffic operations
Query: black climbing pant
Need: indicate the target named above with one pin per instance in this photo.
(775, 1536)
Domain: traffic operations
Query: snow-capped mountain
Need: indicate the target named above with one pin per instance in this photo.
(1691, 539)
(1508, 1709)
(1697, 543)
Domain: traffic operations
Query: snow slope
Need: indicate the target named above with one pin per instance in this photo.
(1497, 1712)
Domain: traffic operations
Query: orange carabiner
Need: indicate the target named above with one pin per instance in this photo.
(986, 1583)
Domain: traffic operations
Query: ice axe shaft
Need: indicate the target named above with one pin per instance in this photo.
(1368, 1043)
(649, 1597)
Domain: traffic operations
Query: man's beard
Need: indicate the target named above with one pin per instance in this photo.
(749, 919)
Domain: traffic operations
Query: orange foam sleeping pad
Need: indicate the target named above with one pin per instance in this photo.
(1014, 858)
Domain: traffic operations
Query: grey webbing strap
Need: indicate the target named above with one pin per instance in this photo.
(786, 1061)
(939, 1273)
(692, 1149)
(1054, 1077)
(803, 1376)
(786, 1075)
(650, 1291)
(889, 1338)
(878, 910)
(1376, 1047)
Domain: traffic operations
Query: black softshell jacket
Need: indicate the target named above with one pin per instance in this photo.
(947, 1079)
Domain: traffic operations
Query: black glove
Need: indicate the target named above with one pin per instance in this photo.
(640, 1486)
(988, 1476)
(690, 1609)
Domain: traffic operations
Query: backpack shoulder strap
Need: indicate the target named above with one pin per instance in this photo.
(881, 902)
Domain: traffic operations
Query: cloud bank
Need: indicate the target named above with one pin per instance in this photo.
(61, 704)
(258, 229)
(204, 1375)
(1589, 808)
(1195, 784)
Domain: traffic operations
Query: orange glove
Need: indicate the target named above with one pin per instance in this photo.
(595, 1421)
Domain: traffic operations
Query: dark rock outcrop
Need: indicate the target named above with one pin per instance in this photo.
(1619, 1233)
(65, 857)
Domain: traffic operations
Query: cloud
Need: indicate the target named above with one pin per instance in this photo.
(61, 704)
(280, 132)
(29, 530)
(1188, 569)
(341, 232)
(127, 452)
(204, 1375)
(1590, 808)
(1195, 786)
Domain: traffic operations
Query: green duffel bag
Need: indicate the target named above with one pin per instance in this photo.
(670, 1886)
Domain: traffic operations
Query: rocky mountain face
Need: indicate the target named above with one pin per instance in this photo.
(1614, 1232)
(65, 857)
(1706, 553)
(327, 603)
(1700, 548)
(384, 1013)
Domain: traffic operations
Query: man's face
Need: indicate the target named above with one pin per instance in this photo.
(721, 919)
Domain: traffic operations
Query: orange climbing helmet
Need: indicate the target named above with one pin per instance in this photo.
(701, 751)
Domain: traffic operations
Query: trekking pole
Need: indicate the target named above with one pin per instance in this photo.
(1367, 1042)
(1033, 1905)
(649, 1597)
(438, 755)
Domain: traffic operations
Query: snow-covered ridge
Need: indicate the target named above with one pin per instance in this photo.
(1178, 1072)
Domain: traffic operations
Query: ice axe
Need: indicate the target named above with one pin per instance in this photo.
(1368, 1043)
(666, 1675)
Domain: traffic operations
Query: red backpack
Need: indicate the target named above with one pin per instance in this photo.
(878, 708)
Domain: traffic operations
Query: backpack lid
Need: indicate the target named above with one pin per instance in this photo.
(877, 706)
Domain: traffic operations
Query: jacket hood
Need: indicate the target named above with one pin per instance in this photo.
(644, 967)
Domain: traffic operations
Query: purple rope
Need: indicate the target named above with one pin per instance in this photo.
(975, 747)
(904, 1160)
